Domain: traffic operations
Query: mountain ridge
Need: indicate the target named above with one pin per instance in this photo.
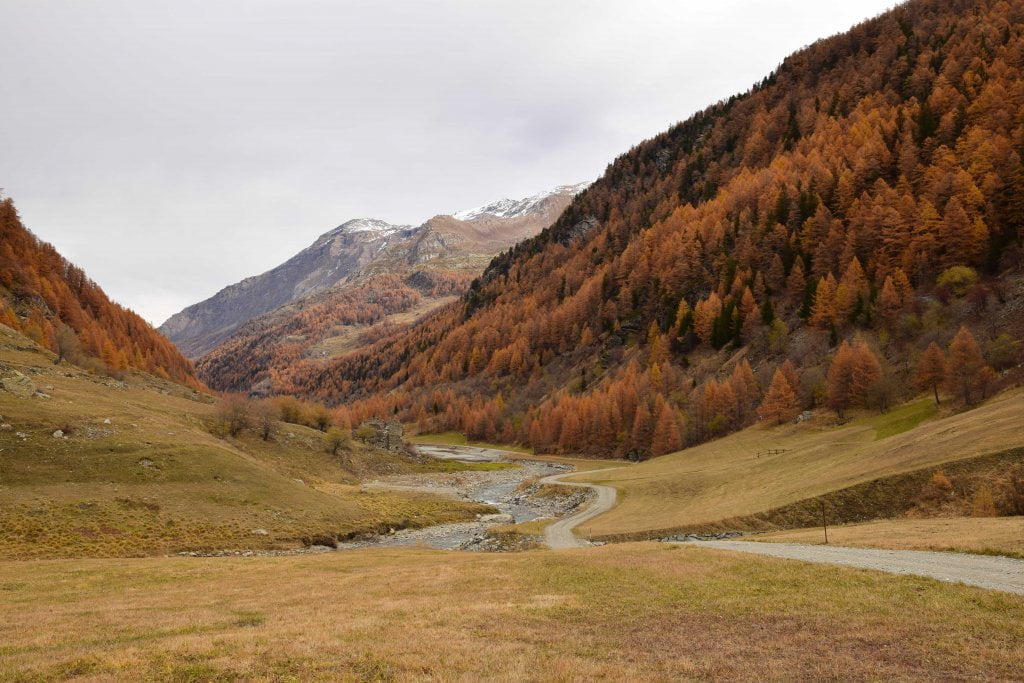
(342, 253)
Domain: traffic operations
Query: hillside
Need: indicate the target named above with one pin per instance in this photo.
(100, 467)
(805, 242)
(746, 480)
(57, 306)
(457, 247)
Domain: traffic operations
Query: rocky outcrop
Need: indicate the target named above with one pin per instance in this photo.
(18, 384)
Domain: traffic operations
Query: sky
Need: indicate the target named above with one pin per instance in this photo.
(173, 148)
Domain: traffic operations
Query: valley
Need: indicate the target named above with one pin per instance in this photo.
(749, 406)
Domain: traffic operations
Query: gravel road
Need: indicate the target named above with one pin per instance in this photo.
(559, 534)
(996, 573)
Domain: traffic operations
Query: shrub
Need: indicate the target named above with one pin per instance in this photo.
(983, 504)
(234, 413)
(1002, 352)
(335, 439)
(957, 279)
(265, 419)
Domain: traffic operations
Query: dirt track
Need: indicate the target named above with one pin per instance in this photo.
(559, 534)
(996, 573)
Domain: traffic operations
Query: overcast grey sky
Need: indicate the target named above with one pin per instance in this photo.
(172, 148)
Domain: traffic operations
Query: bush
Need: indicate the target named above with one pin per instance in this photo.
(335, 439)
(265, 419)
(983, 504)
(365, 432)
(234, 413)
(1002, 352)
(957, 279)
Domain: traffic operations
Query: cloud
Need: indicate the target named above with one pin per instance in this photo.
(171, 149)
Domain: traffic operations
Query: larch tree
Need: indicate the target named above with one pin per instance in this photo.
(931, 370)
(667, 437)
(965, 363)
(824, 311)
(780, 403)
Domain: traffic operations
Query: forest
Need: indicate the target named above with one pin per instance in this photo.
(54, 304)
(845, 234)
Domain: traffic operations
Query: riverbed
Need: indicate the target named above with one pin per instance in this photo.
(508, 490)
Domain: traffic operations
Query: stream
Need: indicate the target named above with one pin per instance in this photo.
(502, 489)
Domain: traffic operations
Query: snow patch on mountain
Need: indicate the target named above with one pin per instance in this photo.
(370, 225)
(510, 208)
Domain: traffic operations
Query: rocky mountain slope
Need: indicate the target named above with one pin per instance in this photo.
(464, 242)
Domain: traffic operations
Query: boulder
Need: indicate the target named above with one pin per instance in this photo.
(18, 384)
(498, 518)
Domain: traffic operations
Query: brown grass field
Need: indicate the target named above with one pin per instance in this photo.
(983, 535)
(624, 612)
(734, 476)
(154, 480)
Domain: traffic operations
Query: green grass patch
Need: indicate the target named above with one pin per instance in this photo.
(902, 419)
(459, 439)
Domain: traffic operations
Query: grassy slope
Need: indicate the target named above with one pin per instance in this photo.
(346, 337)
(984, 535)
(154, 480)
(733, 476)
(623, 612)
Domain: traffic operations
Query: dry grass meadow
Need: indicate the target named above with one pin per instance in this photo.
(736, 475)
(623, 612)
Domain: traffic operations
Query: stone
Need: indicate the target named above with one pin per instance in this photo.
(18, 384)
(498, 518)
(260, 532)
(146, 462)
(59, 434)
(106, 421)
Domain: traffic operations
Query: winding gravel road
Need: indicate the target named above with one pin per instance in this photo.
(995, 573)
(559, 534)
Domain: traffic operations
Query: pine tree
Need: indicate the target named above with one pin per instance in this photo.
(867, 372)
(780, 402)
(931, 370)
(839, 381)
(824, 311)
(666, 438)
(889, 302)
(965, 362)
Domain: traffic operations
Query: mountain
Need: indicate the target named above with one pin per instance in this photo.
(57, 306)
(464, 243)
(332, 257)
(846, 234)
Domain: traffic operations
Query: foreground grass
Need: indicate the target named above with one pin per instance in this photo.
(983, 535)
(736, 475)
(640, 611)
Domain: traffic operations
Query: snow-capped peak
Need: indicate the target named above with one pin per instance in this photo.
(369, 225)
(510, 208)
